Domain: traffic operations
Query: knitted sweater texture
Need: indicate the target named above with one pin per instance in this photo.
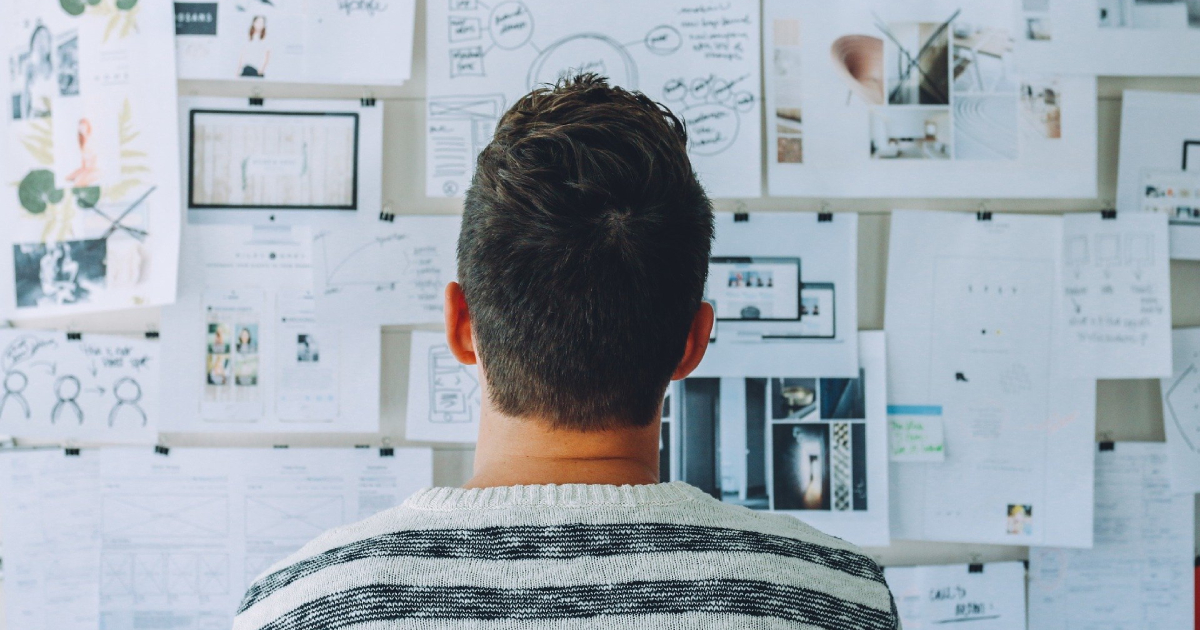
(571, 557)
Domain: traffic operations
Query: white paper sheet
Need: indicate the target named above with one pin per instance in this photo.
(1139, 574)
(917, 98)
(87, 157)
(51, 518)
(100, 388)
(385, 272)
(811, 446)
(1181, 411)
(443, 394)
(243, 350)
(1111, 37)
(1159, 167)
(970, 320)
(931, 596)
(785, 290)
(1115, 318)
(701, 59)
(360, 42)
(287, 161)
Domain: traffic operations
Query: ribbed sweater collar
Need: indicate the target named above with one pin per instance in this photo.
(441, 499)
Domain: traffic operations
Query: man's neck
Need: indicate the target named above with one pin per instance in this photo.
(514, 451)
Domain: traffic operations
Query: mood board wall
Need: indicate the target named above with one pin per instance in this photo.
(1127, 410)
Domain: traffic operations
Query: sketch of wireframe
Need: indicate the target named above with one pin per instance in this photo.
(292, 517)
(1139, 250)
(1179, 389)
(67, 389)
(454, 394)
(165, 516)
(459, 129)
(128, 393)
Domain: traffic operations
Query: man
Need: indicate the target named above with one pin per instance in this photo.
(581, 264)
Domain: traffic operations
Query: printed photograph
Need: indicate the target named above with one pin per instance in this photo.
(793, 398)
(67, 62)
(1037, 29)
(217, 369)
(788, 92)
(247, 338)
(916, 56)
(1041, 109)
(1154, 14)
(245, 370)
(33, 80)
(985, 127)
(220, 335)
(911, 133)
(55, 274)
(843, 398)
(1020, 520)
(256, 50)
(801, 479)
(983, 56)
(306, 349)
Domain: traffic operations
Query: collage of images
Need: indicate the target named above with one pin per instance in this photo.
(789, 444)
(943, 90)
(232, 357)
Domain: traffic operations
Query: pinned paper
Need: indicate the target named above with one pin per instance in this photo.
(916, 434)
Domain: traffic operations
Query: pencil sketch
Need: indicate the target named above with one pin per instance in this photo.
(67, 389)
(128, 393)
(454, 393)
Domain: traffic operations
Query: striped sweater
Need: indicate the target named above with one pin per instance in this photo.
(571, 556)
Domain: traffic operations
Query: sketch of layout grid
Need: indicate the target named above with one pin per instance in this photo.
(293, 517)
(165, 516)
(149, 574)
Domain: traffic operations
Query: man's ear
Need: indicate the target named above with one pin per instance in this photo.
(458, 325)
(697, 342)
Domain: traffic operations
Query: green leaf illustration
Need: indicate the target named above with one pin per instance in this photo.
(37, 191)
(87, 197)
(126, 5)
(73, 7)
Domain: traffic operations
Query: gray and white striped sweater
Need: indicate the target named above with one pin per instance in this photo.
(571, 556)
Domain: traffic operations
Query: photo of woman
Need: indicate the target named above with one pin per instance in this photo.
(255, 54)
(247, 342)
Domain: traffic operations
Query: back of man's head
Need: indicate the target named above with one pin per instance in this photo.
(583, 255)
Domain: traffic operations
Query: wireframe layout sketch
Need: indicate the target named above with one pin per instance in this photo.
(78, 386)
(444, 395)
(301, 517)
(701, 60)
(1181, 410)
(165, 515)
(273, 159)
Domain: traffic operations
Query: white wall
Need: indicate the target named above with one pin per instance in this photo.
(1127, 410)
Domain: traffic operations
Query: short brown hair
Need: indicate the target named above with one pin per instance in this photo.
(583, 255)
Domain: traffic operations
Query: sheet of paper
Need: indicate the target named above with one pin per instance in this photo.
(287, 161)
(1181, 411)
(184, 535)
(970, 317)
(916, 433)
(359, 42)
(87, 157)
(443, 394)
(1159, 166)
(385, 272)
(51, 518)
(918, 98)
(931, 596)
(101, 388)
(243, 349)
(1115, 317)
(1139, 573)
(701, 59)
(811, 446)
(1111, 37)
(785, 290)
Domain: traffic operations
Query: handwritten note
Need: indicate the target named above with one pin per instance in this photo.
(915, 433)
(1115, 304)
(990, 597)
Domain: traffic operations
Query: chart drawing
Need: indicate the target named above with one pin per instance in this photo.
(454, 393)
(165, 516)
(292, 517)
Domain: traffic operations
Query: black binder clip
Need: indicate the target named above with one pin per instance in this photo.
(367, 101)
(975, 568)
(256, 101)
(387, 451)
(152, 334)
(825, 217)
(71, 451)
(280, 446)
(983, 215)
(74, 336)
(1107, 446)
(1108, 215)
(159, 449)
(387, 217)
(741, 217)
(362, 446)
